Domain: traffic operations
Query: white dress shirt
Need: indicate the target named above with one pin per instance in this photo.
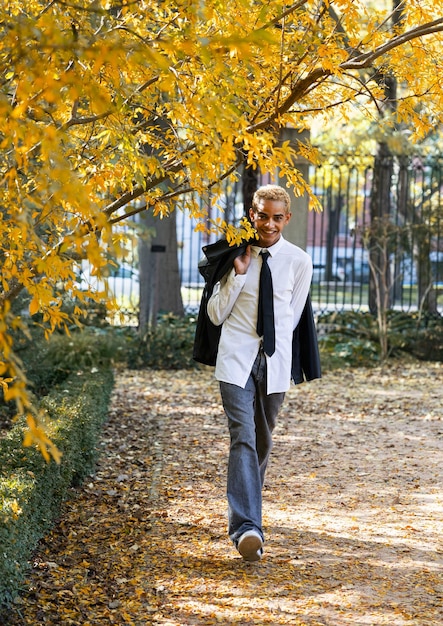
(234, 304)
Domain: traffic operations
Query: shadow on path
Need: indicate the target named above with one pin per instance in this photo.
(353, 508)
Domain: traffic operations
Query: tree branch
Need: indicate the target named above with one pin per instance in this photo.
(361, 61)
(77, 121)
(285, 13)
(366, 59)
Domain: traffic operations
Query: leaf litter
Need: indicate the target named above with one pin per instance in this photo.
(353, 505)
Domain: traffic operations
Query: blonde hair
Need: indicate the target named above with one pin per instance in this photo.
(271, 192)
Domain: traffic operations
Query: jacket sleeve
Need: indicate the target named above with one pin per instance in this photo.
(224, 296)
(305, 353)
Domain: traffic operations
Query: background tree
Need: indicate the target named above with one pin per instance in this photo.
(86, 86)
(158, 270)
(380, 205)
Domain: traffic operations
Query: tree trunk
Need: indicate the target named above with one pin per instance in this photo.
(334, 213)
(402, 244)
(427, 295)
(249, 179)
(160, 285)
(383, 171)
(380, 210)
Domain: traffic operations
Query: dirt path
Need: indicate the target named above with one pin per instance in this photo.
(353, 511)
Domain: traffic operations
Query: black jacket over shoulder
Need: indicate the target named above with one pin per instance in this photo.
(218, 260)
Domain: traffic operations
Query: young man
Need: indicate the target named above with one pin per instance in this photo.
(253, 377)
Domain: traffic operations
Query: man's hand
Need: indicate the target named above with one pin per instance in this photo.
(241, 263)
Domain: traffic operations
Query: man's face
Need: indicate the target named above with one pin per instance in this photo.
(269, 220)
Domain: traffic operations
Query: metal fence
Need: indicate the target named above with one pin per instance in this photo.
(410, 202)
(372, 207)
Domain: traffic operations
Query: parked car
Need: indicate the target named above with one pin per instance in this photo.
(338, 271)
(123, 281)
(352, 270)
(348, 264)
(436, 259)
(318, 255)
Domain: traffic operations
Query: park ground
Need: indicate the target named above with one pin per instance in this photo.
(353, 508)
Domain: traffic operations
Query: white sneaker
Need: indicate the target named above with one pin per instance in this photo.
(250, 546)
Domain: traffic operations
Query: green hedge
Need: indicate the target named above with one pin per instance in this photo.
(351, 338)
(32, 490)
(167, 345)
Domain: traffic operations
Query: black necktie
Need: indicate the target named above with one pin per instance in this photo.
(265, 317)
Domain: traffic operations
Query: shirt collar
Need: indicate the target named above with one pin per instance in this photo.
(272, 249)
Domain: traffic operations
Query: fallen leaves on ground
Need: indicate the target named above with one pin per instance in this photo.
(352, 510)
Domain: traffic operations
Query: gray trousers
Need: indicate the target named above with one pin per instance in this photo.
(252, 416)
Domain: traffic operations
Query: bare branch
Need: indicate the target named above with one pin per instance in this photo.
(300, 89)
(294, 7)
(76, 121)
(366, 59)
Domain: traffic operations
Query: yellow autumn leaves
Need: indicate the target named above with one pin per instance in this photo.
(101, 104)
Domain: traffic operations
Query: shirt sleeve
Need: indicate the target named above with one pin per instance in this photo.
(301, 290)
(224, 296)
